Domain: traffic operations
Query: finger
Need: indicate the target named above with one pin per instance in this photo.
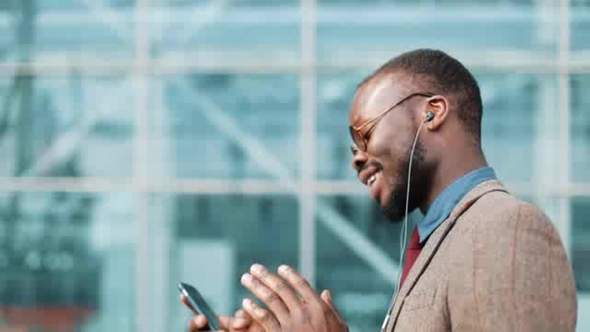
(200, 321)
(197, 323)
(250, 325)
(278, 285)
(243, 314)
(261, 316)
(327, 298)
(242, 320)
(300, 284)
(186, 302)
(226, 322)
(267, 296)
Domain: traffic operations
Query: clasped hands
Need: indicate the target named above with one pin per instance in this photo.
(291, 305)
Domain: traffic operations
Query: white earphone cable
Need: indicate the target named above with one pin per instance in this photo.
(404, 230)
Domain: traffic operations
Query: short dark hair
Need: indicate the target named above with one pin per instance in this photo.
(440, 73)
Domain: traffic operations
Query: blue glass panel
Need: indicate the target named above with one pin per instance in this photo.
(580, 127)
(66, 125)
(334, 95)
(224, 33)
(218, 238)
(66, 261)
(351, 31)
(232, 125)
(579, 17)
(580, 209)
(60, 31)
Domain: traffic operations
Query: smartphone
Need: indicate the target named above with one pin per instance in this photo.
(199, 304)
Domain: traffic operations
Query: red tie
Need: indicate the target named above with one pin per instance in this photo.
(414, 248)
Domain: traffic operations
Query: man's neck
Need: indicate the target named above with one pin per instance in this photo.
(451, 170)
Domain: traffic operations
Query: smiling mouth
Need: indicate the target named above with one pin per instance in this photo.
(374, 185)
(372, 179)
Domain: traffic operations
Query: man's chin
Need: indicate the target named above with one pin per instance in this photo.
(394, 208)
(393, 214)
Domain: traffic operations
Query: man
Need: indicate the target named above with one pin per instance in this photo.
(479, 260)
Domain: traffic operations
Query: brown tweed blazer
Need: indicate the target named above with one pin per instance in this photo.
(496, 264)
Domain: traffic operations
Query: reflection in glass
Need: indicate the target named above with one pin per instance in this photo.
(64, 126)
(351, 30)
(580, 209)
(66, 261)
(510, 102)
(220, 123)
(37, 30)
(579, 25)
(217, 238)
(335, 94)
(230, 33)
(580, 127)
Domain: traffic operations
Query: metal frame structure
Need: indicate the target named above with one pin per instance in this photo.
(563, 220)
(144, 318)
(307, 187)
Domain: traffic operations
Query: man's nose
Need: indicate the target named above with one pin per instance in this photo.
(359, 159)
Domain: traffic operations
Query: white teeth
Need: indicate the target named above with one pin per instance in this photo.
(372, 179)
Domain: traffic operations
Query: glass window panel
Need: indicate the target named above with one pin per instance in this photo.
(580, 209)
(69, 256)
(580, 257)
(510, 102)
(583, 323)
(66, 125)
(580, 127)
(215, 239)
(42, 30)
(230, 33)
(69, 4)
(510, 140)
(579, 16)
(335, 94)
(350, 31)
(228, 126)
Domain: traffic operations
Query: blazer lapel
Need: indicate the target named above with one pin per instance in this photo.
(436, 240)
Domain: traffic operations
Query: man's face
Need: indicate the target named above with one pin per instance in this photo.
(384, 166)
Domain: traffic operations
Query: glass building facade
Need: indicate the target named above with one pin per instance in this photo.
(144, 142)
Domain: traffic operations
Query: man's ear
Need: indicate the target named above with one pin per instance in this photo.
(439, 106)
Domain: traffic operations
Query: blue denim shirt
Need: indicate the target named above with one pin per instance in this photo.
(442, 206)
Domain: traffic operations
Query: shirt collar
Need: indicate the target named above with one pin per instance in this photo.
(444, 203)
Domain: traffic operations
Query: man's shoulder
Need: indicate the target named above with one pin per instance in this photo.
(502, 212)
(505, 243)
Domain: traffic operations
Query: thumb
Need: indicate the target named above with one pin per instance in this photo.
(327, 297)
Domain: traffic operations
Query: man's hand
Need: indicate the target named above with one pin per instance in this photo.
(296, 309)
(241, 322)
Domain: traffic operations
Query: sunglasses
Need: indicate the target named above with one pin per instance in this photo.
(360, 139)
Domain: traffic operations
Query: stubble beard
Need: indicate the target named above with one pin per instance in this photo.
(395, 210)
